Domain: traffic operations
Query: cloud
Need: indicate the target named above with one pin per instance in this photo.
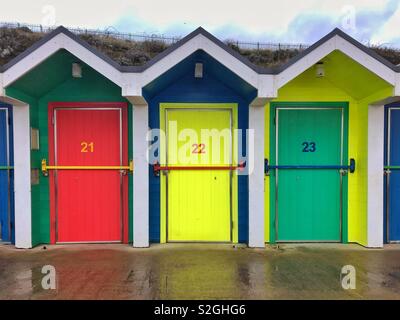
(308, 28)
(298, 22)
(369, 23)
(389, 31)
(302, 21)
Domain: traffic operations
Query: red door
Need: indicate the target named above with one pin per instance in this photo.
(89, 205)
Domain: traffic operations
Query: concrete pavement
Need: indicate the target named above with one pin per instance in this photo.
(200, 271)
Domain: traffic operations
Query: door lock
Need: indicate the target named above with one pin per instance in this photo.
(387, 172)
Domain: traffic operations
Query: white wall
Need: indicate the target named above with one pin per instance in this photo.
(256, 177)
(375, 175)
(140, 176)
(22, 177)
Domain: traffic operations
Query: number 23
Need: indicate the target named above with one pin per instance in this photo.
(309, 147)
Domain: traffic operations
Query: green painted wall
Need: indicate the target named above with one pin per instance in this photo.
(35, 162)
(92, 87)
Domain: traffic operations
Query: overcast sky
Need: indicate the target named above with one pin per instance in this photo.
(292, 21)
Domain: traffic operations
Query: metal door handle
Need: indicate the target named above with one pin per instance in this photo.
(46, 168)
(351, 167)
(157, 168)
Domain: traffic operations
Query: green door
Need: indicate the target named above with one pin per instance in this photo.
(308, 204)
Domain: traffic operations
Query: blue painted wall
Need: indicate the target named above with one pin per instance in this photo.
(392, 185)
(218, 85)
(6, 176)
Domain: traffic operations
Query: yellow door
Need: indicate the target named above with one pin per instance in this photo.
(199, 199)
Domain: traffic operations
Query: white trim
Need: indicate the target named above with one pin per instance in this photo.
(22, 177)
(22, 172)
(2, 91)
(335, 43)
(375, 195)
(198, 42)
(267, 88)
(397, 85)
(132, 83)
(140, 174)
(256, 176)
(61, 41)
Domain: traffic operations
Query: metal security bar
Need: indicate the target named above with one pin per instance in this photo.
(387, 170)
(351, 167)
(392, 167)
(46, 168)
(157, 168)
(6, 168)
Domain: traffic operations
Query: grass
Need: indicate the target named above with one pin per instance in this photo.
(14, 41)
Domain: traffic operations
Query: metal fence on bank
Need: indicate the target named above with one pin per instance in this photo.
(113, 33)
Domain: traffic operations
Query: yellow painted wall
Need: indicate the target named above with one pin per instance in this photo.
(308, 88)
(357, 181)
(359, 151)
(266, 178)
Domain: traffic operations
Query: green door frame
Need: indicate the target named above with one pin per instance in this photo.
(313, 104)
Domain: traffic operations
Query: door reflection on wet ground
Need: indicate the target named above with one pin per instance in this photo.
(191, 271)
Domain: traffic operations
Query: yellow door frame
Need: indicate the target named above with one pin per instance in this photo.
(163, 183)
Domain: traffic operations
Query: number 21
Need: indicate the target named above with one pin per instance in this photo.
(87, 147)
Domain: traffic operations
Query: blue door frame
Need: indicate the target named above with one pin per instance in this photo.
(392, 174)
(6, 175)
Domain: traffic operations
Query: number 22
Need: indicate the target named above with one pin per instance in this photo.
(198, 148)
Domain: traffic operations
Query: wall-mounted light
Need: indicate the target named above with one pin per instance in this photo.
(320, 70)
(198, 70)
(76, 70)
(34, 139)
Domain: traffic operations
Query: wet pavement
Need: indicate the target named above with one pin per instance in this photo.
(197, 271)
